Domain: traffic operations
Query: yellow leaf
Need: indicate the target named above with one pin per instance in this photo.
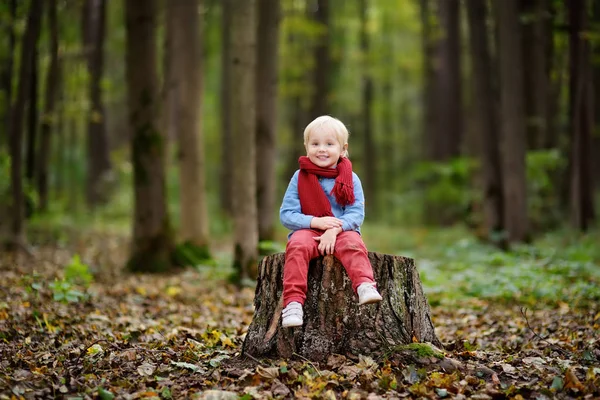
(173, 291)
(225, 341)
(141, 290)
(95, 349)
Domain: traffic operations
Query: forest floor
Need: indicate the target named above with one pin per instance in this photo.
(77, 327)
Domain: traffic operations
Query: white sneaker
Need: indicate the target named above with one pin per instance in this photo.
(367, 294)
(292, 315)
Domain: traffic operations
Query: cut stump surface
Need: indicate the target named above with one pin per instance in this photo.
(333, 320)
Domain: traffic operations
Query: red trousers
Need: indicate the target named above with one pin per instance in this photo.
(301, 248)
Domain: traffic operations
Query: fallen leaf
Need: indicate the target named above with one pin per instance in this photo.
(146, 369)
(269, 373)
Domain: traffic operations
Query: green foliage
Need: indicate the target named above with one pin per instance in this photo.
(77, 272)
(543, 168)
(422, 350)
(563, 266)
(267, 247)
(187, 253)
(65, 292)
(447, 187)
(76, 275)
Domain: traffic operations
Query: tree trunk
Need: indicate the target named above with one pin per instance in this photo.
(429, 55)
(50, 118)
(595, 100)
(321, 72)
(536, 37)
(485, 118)
(32, 122)
(333, 321)
(32, 32)
(97, 141)
(152, 240)
(185, 91)
(266, 114)
(7, 71)
(297, 101)
(226, 171)
(512, 121)
(370, 152)
(447, 140)
(243, 129)
(581, 118)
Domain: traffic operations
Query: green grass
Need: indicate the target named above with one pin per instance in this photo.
(453, 265)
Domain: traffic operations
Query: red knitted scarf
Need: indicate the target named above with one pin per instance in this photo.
(313, 200)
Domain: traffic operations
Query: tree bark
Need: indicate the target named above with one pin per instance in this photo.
(243, 129)
(536, 37)
(152, 238)
(513, 121)
(184, 94)
(448, 138)
(266, 114)
(50, 118)
(7, 72)
(226, 171)
(370, 153)
(429, 54)
(321, 72)
(32, 125)
(97, 141)
(32, 32)
(581, 118)
(485, 118)
(333, 320)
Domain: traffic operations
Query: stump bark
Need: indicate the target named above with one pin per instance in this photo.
(333, 320)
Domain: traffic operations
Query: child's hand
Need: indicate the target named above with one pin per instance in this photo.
(324, 223)
(327, 241)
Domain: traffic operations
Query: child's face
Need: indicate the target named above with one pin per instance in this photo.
(323, 148)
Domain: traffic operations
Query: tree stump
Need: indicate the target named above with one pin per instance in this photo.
(333, 320)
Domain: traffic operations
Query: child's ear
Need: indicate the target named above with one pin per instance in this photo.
(345, 150)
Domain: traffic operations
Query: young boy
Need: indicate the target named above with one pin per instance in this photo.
(324, 208)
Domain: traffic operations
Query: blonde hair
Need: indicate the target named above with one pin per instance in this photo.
(330, 123)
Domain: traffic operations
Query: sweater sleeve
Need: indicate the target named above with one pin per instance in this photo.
(290, 213)
(354, 214)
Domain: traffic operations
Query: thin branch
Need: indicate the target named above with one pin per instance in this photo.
(308, 361)
(535, 334)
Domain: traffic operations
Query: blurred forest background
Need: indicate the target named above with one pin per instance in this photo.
(148, 135)
(179, 123)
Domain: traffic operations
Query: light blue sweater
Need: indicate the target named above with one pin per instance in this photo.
(353, 215)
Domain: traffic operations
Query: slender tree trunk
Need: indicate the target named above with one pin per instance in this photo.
(243, 129)
(536, 37)
(581, 118)
(596, 91)
(512, 121)
(370, 151)
(97, 141)
(7, 71)
(448, 137)
(485, 118)
(152, 237)
(49, 119)
(266, 114)
(32, 32)
(298, 110)
(226, 171)
(429, 55)
(32, 124)
(184, 98)
(321, 72)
